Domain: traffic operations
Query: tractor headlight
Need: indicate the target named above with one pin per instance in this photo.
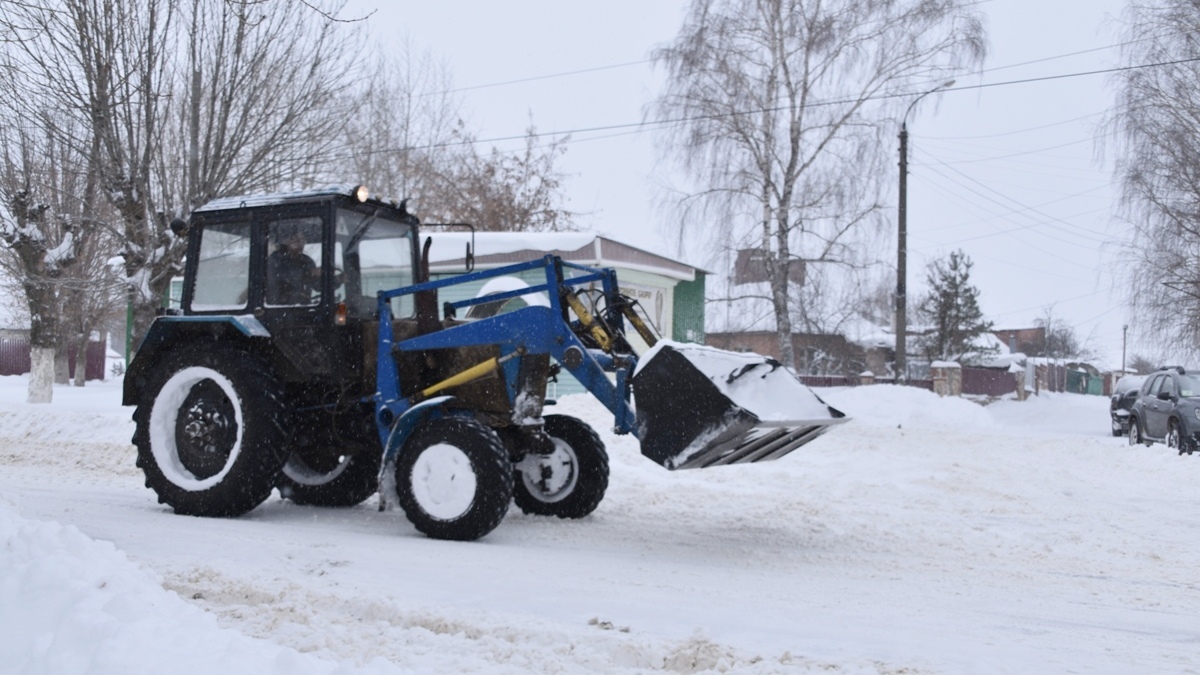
(1197, 411)
(361, 193)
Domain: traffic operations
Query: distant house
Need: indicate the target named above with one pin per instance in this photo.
(1024, 340)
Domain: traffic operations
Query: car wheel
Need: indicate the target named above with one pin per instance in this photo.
(1174, 437)
(1117, 429)
(1135, 432)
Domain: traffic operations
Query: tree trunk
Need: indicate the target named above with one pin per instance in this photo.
(41, 375)
(62, 363)
(43, 336)
(81, 354)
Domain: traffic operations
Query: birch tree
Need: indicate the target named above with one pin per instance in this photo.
(1156, 123)
(776, 111)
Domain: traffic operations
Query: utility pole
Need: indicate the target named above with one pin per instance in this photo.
(902, 244)
(1124, 335)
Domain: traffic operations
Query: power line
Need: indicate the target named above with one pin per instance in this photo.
(1025, 207)
(738, 113)
(536, 78)
(1013, 133)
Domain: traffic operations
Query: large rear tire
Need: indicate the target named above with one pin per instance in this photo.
(211, 431)
(571, 481)
(454, 479)
(321, 476)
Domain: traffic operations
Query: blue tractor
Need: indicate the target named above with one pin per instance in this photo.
(311, 355)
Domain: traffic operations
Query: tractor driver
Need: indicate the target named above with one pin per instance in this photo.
(292, 276)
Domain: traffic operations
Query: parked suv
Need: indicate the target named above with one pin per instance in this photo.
(1122, 400)
(1167, 410)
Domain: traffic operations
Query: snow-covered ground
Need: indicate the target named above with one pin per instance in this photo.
(926, 536)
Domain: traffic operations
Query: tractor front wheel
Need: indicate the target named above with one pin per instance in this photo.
(211, 431)
(571, 480)
(454, 479)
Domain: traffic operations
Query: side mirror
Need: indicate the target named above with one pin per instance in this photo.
(179, 226)
(1164, 396)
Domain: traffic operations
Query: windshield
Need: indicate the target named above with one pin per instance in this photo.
(1189, 385)
(375, 254)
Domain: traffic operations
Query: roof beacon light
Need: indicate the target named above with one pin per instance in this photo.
(361, 193)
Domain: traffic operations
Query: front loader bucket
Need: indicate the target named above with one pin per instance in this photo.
(699, 407)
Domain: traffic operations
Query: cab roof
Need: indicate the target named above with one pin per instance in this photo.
(280, 198)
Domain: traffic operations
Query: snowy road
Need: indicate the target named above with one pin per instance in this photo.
(926, 536)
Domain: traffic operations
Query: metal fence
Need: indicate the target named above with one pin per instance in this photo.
(843, 381)
(14, 358)
(987, 382)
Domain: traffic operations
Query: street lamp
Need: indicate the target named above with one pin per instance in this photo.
(902, 243)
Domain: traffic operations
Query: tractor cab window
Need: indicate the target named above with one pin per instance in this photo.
(375, 254)
(223, 268)
(294, 261)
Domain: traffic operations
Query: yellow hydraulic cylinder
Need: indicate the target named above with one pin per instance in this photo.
(473, 373)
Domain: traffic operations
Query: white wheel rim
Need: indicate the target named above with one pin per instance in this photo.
(300, 472)
(443, 482)
(553, 477)
(164, 415)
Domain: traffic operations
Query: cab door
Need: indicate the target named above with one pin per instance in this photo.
(1159, 406)
(295, 299)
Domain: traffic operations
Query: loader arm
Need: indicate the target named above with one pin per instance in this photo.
(697, 406)
(531, 330)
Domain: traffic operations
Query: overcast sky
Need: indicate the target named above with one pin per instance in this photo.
(1008, 173)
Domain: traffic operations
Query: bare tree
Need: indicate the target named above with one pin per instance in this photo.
(402, 127)
(259, 99)
(776, 109)
(407, 138)
(249, 102)
(502, 191)
(39, 235)
(1062, 341)
(1156, 121)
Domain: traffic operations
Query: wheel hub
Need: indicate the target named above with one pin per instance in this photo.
(444, 482)
(206, 430)
(553, 476)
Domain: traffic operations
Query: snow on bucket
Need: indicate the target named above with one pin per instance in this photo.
(699, 406)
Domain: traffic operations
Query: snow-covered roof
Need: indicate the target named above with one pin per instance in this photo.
(247, 201)
(495, 249)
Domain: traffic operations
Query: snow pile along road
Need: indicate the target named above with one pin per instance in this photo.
(926, 536)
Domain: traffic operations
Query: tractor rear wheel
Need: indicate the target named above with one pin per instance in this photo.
(211, 431)
(570, 481)
(321, 476)
(454, 479)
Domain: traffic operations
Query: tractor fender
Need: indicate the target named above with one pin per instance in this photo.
(401, 429)
(409, 420)
(168, 333)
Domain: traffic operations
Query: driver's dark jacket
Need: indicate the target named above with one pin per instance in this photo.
(290, 280)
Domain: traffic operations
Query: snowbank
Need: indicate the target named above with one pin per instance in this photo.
(69, 604)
